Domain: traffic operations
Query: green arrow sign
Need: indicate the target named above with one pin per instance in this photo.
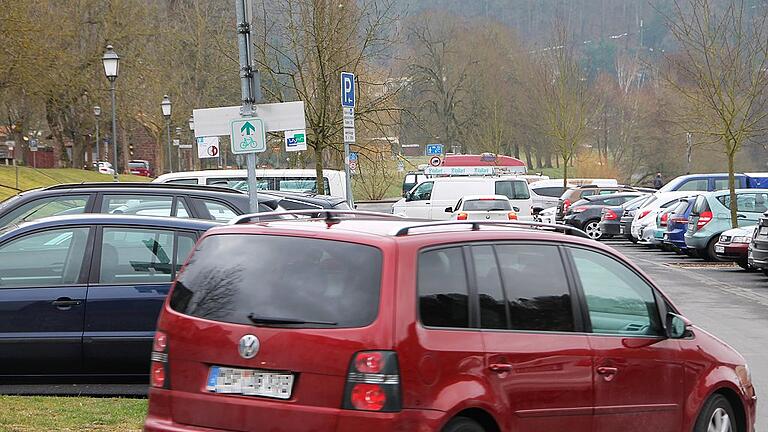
(247, 128)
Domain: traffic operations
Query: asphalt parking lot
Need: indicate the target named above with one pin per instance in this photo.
(723, 299)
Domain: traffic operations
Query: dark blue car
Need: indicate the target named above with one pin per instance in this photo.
(80, 294)
(677, 224)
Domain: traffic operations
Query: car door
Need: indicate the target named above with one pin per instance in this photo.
(130, 278)
(43, 288)
(418, 203)
(638, 380)
(538, 363)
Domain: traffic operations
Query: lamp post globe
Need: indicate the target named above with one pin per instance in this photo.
(111, 62)
(165, 107)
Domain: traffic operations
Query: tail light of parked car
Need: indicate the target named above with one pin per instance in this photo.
(678, 219)
(462, 216)
(664, 219)
(609, 215)
(578, 209)
(159, 367)
(644, 213)
(704, 218)
(512, 216)
(373, 382)
(566, 204)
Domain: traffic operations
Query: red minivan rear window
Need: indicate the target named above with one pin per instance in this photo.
(280, 281)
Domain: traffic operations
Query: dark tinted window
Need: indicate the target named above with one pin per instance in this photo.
(536, 287)
(487, 205)
(297, 205)
(549, 191)
(136, 255)
(493, 313)
(516, 189)
(442, 285)
(192, 181)
(317, 282)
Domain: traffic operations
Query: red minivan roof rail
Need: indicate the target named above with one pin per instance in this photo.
(330, 216)
(565, 229)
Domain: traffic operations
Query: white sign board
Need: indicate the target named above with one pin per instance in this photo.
(277, 117)
(248, 135)
(296, 140)
(349, 135)
(185, 146)
(176, 142)
(207, 147)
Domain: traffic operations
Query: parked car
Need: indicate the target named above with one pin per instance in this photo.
(139, 167)
(677, 225)
(482, 207)
(758, 248)
(103, 167)
(546, 216)
(574, 194)
(711, 215)
(629, 216)
(183, 201)
(429, 199)
(546, 193)
(286, 180)
(714, 182)
(407, 325)
(733, 246)
(80, 294)
(662, 222)
(585, 213)
(611, 216)
(644, 222)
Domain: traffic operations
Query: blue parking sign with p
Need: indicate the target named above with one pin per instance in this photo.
(347, 90)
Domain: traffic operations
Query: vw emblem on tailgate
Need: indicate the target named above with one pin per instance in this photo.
(248, 346)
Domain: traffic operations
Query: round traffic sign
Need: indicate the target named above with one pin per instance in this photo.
(435, 161)
(213, 151)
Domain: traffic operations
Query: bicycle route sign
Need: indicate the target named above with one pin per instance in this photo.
(247, 135)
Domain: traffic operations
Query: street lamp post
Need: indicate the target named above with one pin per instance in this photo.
(97, 114)
(111, 62)
(165, 105)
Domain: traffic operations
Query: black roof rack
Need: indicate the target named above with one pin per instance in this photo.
(129, 185)
(330, 216)
(565, 229)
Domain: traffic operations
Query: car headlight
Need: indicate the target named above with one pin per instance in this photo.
(741, 239)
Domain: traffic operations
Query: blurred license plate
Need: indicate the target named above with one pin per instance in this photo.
(249, 382)
(764, 231)
(719, 249)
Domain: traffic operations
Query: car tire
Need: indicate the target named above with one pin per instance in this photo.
(463, 424)
(709, 253)
(716, 411)
(592, 228)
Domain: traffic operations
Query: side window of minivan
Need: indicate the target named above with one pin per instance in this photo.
(619, 302)
(442, 288)
(536, 287)
(422, 192)
(694, 185)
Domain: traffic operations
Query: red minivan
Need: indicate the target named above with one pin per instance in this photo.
(371, 324)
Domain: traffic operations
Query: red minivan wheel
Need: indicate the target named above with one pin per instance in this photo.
(716, 416)
(463, 424)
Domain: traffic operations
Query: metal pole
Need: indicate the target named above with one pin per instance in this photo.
(348, 175)
(178, 157)
(34, 160)
(16, 168)
(170, 158)
(114, 129)
(98, 145)
(250, 90)
(689, 151)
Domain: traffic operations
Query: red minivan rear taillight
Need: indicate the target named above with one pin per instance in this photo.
(158, 373)
(373, 382)
(704, 218)
(663, 221)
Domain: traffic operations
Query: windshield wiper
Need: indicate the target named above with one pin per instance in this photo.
(275, 320)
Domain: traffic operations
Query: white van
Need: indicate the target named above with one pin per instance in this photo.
(289, 180)
(431, 198)
(545, 193)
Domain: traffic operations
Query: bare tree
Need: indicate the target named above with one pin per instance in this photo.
(567, 100)
(722, 72)
(302, 46)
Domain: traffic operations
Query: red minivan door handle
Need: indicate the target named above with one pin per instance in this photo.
(500, 367)
(607, 372)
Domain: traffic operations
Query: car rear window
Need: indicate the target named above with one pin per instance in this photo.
(487, 205)
(293, 281)
(701, 205)
(549, 191)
